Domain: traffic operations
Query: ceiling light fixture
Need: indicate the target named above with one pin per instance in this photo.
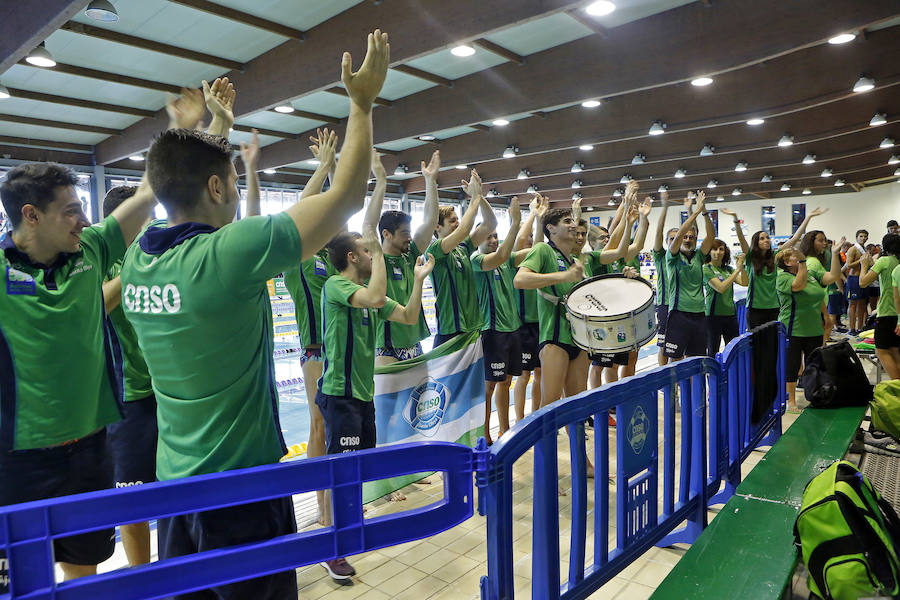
(741, 166)
(658, 128)
(462, 51)
(523, 174)
(785, 187)
(638, 159)
(625, 178)
(427, 137)
(842, 38)
(102, 10)
(755, 121)
(591, 103)
(499, 122)
(826, 172)
(807, 191)
(461, 167)
(720, 198)
(611, 202)
(707, 150)
(894, 159)
(136, 157)
(863, 84)
(4, 93)
(887, 142)
(809, 159)
(40, 57)
(401, 169)
(284, 108)
(577, 167)
(897, 173)
(577, 183)
(736, 192)
(878, 119)
(839, 183)
(680, 173)
(712, 183)
(786, 140)
(269, 171)
(585, 147)
(532, 188)
(576, 196)
(314, 161)
(491, 193)
(701, 81)
(600, 8)
(766, 178)
(618, 192)
(510, 151)
(662, 188)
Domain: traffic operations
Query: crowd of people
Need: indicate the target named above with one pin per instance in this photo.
(187, 300)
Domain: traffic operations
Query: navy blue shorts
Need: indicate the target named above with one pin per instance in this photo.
(662, 318)
(502, 354)
(132, 443)
(836, 304)
(529, 335)
(198, 532)
(854, 292)
(349, 423)
(440, 338)
(81, 466)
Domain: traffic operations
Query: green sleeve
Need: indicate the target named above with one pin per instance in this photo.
(385, 311)
(414, 252)
(784, 281)
(672, 260)
(881, 264)
(477, 258)
(895, 276)
(103, 244)
(535, 258)
(255, 249)
(435, 250)
(708, 273)
(511, 261)
(470, 247)
(339, 290)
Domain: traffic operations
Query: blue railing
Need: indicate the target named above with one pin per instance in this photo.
(740, 307)
(27, 530)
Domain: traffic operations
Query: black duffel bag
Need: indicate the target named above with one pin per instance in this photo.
(834, 377)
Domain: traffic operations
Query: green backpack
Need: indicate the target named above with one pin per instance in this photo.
(886, 408)
(846, 533)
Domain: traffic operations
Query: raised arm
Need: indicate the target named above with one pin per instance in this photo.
(675, 246)
(799, 283)
(745, 247)
(318, 218)
(250, 158)
(615, 232)
(495, 259)
(324, 144)
(372, 295)
(802, 229)
(488, 223)
(641, 236)
(723, 286)
(527, 226)
(409, 314)
(219, 98)
(134, 212)
(613, 252)
(376, 202)
(456, 237)
(661, 225)
(112, 294)
(423, 234)
(710, 237)
(526, 279)
(185, 111)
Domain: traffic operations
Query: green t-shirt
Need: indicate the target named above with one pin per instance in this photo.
(685, 282)
(620, 264)
(400, 280)
(135, 373)
(813, 264)
(304, 284)
(659, 262)
(593, 266)
(554, 325)
(895, 280)
(885, 267)
(497, 295)
(57, 382)
(198, 301)
(801, 312)
(527, 303)
(718, 304)
(349, 347)
(453, 282)
(761, 288)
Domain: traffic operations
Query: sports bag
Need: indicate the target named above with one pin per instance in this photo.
(847, 536)
(886, 408)
(834, 377)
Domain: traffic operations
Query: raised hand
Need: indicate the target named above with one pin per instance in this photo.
(818, 211)
(324, 145)
(576, 207)
(515, 214)
(728, 211)
(632, 214)
(645, 208)
(219, 98)
(543, 205)
(430, 171)
(688, 203)
(423, 266)
(740, 261)
(664, 197)
(473, 186)
(631, 190)
(836, 246)
(185, 111)
(364, 85)
(378, 168)
(370, 241)
(576, 271)
(701, 201)
(250, 152)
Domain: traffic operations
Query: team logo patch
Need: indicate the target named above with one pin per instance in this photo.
(19, 283)
(561, 264)
(425, 408)
(365, 316)
(636, 431)
(398, 274)
(320, 268)
(497, 274)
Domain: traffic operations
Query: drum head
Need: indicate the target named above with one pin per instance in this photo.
(608, 295)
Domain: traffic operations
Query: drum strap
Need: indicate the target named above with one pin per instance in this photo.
(549, 297)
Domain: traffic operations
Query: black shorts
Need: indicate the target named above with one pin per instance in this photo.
(349, 423)
(440, 338)
(573, 351)
(502, 354)
(132, 443)
(798, 348)
(529, 335)
(760, 316)
(662, 318)
(610, 360)
(836, 304)
(718, 328)
(81, 466)
(197, 532)
(685, 334)
(885, 336)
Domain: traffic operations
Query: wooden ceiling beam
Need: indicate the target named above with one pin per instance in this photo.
(499, 51)
(42, 97)
(311, 115)
(154, 46)
(579, 15)
(19, 141)
(111, 77)
(25, 25)
(58, 124)
(424, 75)
(339, 91)
(269, 132)
(226, 12)
(62, 157)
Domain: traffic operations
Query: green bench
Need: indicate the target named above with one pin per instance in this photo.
(748, 549)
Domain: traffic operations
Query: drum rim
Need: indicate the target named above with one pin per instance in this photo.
(590, 318)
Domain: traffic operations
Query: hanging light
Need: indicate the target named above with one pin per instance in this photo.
(462, 51)
(720, 198)
(499, 122)
(532, 189)
(491, 193)
(741, 166)
(577, 183)
(786, 140)
(4, 93)
(401, 169)
(878, 119)
(40, 57)
(755, 121)
(839, 183)
(591, 103)
(712, 183)
(785, 187)
(807, 191)
(585, 147)
(766, 178)
(523, 174)
(611, 202)
(576, 196)
(894, 159)
(618, 192)
(864, 84)
(625, 178)
(269, 171)
(638, 159)
(887, 142)
(102, 10)
(809, 159)
(577, 167)
(827, 172)
(707, 150)
(680, 173)
(662, 188)
(842, 38)
(658, 128)
(510, 151)
(284, 108)
(736, 192)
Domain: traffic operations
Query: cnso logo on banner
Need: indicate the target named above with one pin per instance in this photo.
(426, 406)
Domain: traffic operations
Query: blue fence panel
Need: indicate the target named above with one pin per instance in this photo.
(27, 530)
(642, 521)
(740, 307)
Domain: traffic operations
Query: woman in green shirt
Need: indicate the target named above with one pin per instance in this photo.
(887, 342)
(719, 278)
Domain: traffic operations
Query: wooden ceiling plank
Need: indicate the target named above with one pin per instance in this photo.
(424, 75)
(499, 51)
(58, 124)
(19, 141)
(126, 110)
(244, 18)
(339, 91)
(311, 115)
(111, 77)
(269, 132)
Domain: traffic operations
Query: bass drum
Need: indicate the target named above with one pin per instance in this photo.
(611, 313)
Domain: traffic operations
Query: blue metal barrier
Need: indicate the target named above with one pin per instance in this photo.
(27, 530)
(642, 520)
(740, 307)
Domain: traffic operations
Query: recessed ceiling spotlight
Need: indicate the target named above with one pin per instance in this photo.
(826, 172)
(401, 169)
(462, 50)
(600, 8)
(576, 196)
(523, 174)
(461, 167)
(658, 128)
(577, 167)
(755, 121)
(4, 93)
(591, 103)
(284, 108)
(807, 191)
(136, 157)
(785, 187)
(741, 166)
(638, 159)
(894, 159)
(839, 183)
(499, 122)
(625, 178)
(427, 137)
(701, 81)
(577, 183)
(680, 173)
(40, 57)
(786, 140)
(510, 152)
(864, 84)
(662, 188)
(707, 150)
(809, 159)
(532, 189)
(617, 192)
(878, 119)
(736, 192)
(720, 198)
(102, 10)
(842, 38)
(314, 161)
(766, 178)
(887, 142)
(585, 147)
(269, 171)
